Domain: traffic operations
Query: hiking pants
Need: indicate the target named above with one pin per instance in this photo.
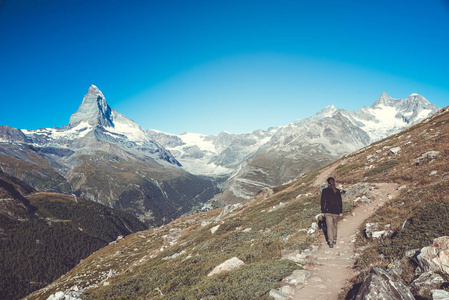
(331, 223)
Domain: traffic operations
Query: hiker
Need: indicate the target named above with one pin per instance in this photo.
(331, 209)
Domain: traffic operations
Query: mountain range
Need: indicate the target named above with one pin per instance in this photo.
(103, 156)
(395, 205)
(273, 157)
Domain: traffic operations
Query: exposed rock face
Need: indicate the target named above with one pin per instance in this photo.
(440, 295)
(380, 285)
(12, 134)
(425, 283)
(229, 265)
(94, 110)
(436, 256)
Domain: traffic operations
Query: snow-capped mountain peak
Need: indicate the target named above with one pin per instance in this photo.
(94, 110)
(327, 112)
(385, 100)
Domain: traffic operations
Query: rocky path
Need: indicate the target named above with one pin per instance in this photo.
(327, 270)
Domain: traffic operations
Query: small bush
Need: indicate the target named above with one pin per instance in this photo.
(383, 167)
(428, 223)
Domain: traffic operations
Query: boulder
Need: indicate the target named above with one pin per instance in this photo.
(436, 256)
(277, 295)
(395, 150)
(214, 229)
(429, 155)
(298, 276)
(426, 282)
(380, 285)
(229, 265)
(372, 231)
(440, 295)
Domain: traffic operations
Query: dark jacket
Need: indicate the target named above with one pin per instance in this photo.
(331, 202)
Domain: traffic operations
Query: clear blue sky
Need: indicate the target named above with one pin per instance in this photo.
(211, 66)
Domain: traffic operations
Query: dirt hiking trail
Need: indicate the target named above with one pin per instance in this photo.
(329, 269)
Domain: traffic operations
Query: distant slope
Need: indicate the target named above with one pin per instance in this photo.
(174, 260)
(44, 235)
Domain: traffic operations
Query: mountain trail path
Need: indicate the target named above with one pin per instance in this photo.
(330, 269)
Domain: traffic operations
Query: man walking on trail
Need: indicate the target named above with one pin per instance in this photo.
(331, 209)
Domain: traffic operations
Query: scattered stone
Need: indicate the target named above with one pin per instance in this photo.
(372, 231)
(380, 285)
(411, 253)
(174, 255)
(297, 260)
(65, 296)
(229, 265)
(214, 229)
(402, 187)
(205, 223)
(313, 228)
(436, 256)
(381, 234)
(106, 283)
(247, 229)
(111, 273)
(277, 295)
(298, 276)
(440, 295)
(433, 173)
(276, 207)
(426, 282)
(395, 150)
(286, 289)
(429, 155)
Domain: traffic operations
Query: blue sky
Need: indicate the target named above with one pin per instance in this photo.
(211, 66)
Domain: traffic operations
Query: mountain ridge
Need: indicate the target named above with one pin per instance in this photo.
(275, 232)
(106, 157)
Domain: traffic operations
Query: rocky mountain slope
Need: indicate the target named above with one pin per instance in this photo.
(269, 158)
(105, 157)
(44, 235)
(264, 242)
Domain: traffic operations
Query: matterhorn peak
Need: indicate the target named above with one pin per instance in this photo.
(94, 110)
(93, 90)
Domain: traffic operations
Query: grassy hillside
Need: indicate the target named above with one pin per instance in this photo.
(51, 236)
(172, 261)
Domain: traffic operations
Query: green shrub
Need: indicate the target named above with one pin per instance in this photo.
(426, 224)
(383, 167)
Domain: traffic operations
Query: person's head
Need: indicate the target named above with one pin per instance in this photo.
(331, 182)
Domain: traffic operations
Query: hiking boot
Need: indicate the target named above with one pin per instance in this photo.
(335, 242)
(331, 245)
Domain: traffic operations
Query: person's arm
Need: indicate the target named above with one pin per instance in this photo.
(340, 204)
